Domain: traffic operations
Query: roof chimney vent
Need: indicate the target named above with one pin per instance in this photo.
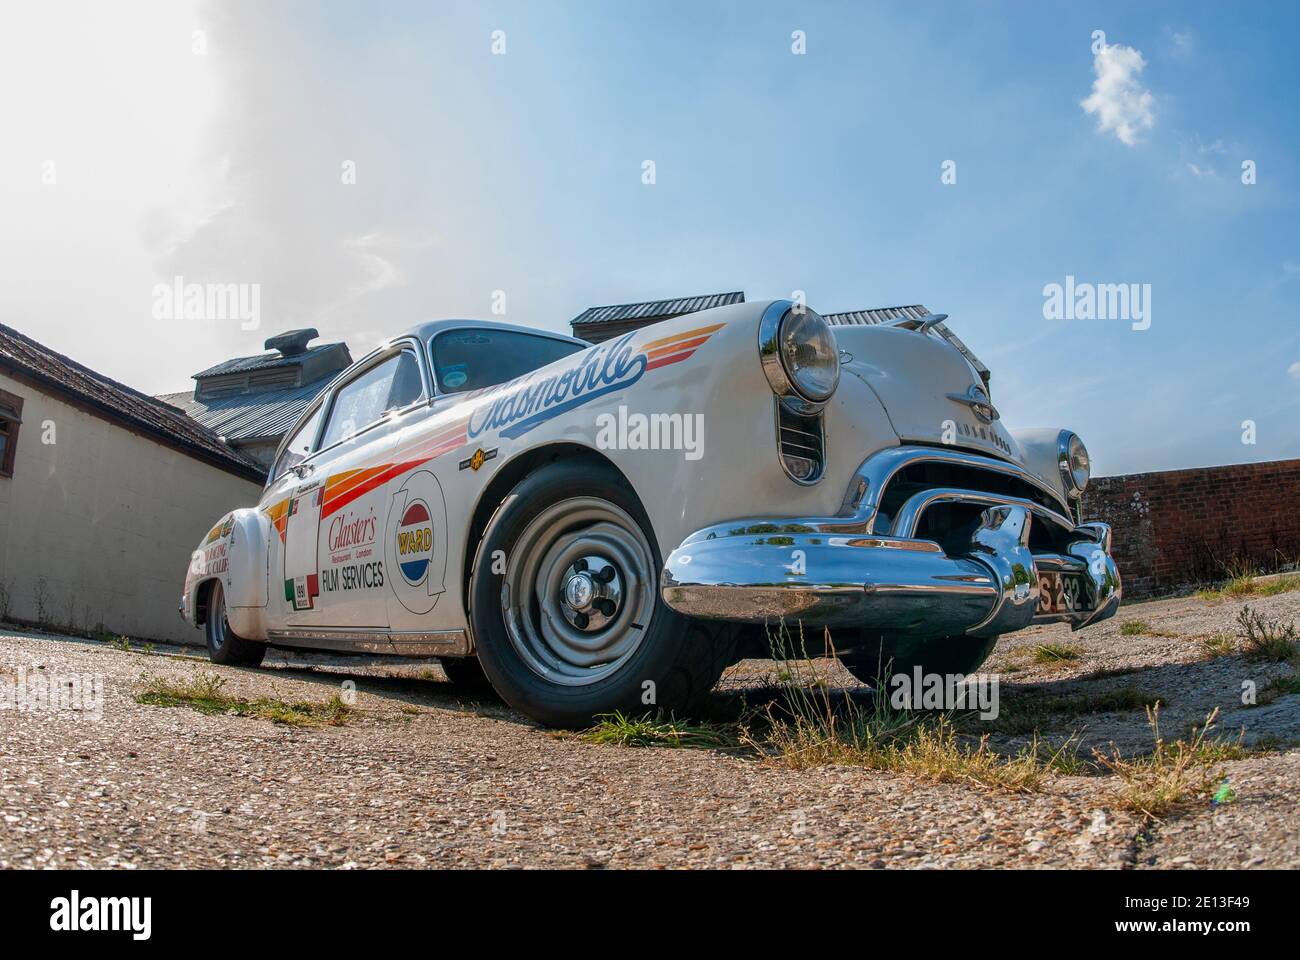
(291, 343)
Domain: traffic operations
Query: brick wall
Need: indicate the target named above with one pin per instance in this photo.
(1179, 527)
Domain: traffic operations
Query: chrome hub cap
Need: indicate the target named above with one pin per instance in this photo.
(577, 594)
(593, 593)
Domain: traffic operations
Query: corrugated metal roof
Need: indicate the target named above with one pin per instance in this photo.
(265, 361)
(118, 402)
(250, 416)
(876, 315)
(656, 309)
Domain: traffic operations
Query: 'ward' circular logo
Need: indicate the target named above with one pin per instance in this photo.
(415, 543)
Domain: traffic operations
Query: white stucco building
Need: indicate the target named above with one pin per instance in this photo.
(104, 492)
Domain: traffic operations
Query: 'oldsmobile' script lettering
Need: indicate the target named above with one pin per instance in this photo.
(526, 404)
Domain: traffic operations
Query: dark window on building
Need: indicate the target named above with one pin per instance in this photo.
(11, 418)
(471, 359)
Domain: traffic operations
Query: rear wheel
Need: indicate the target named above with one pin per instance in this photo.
(891, 656)
(565, 604)
(224, 645)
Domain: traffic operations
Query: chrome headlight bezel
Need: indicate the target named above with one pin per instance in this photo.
(786, 383)
(1074, 463)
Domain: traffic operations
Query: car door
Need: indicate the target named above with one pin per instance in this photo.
(432, 497)
(334, 569)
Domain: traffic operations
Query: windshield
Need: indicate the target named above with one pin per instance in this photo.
(472, 359)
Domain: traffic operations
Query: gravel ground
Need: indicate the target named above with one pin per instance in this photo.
(419, 779)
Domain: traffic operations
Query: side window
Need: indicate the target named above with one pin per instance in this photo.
(11, 418)
(475, 358)
(299, 446)
(389, 385)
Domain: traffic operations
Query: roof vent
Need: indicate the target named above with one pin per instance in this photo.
(291, 343)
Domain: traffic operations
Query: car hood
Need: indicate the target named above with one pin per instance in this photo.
(925, 385)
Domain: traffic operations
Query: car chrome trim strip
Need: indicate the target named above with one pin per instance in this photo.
(377, 640)
(909, 515)
(861, 502)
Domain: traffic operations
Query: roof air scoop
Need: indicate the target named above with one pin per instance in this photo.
(291, 343)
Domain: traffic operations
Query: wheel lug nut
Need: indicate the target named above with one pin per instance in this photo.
(605, 606)
(580, 620)
(580, 564)
(606, 574)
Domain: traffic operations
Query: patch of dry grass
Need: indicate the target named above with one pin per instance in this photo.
(1031, 711)
(1140, 628)
(1277, 687)
(1049, 654)
(1248, 585)
(1218, 645)
(657, 731)
(1174, 774)
(1264, 639)
(205, 693)
(930, 747)
(810, 727)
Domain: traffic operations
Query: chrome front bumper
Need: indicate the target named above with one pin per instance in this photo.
(843, 572)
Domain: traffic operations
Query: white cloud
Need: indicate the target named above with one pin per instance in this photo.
(1118, 99)
(1200, 158)
(1293, 371)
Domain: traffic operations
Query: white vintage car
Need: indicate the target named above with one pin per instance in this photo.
(591, 528)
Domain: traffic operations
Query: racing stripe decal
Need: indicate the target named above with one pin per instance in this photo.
(661, 353)
(342, 488)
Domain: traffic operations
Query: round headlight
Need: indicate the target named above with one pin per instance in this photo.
(799, 353)
(1076, 468)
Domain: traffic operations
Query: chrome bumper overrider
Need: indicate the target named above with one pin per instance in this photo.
(844, 572)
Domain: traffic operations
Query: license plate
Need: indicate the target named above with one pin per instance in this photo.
(1062, 593)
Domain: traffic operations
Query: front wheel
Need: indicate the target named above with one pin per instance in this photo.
(224, 645)
(891, 656)
(565, 604)
(466, 675)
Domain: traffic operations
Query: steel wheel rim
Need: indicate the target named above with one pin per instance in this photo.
(217, 618)
(539, 596)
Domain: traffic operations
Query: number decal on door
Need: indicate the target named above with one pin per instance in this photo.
(302, 530)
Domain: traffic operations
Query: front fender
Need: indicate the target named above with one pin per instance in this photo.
(1040, 449)
(705, 368)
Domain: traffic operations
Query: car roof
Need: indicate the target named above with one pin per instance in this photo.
(424, 331)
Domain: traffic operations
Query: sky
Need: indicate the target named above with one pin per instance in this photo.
(364, 167)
